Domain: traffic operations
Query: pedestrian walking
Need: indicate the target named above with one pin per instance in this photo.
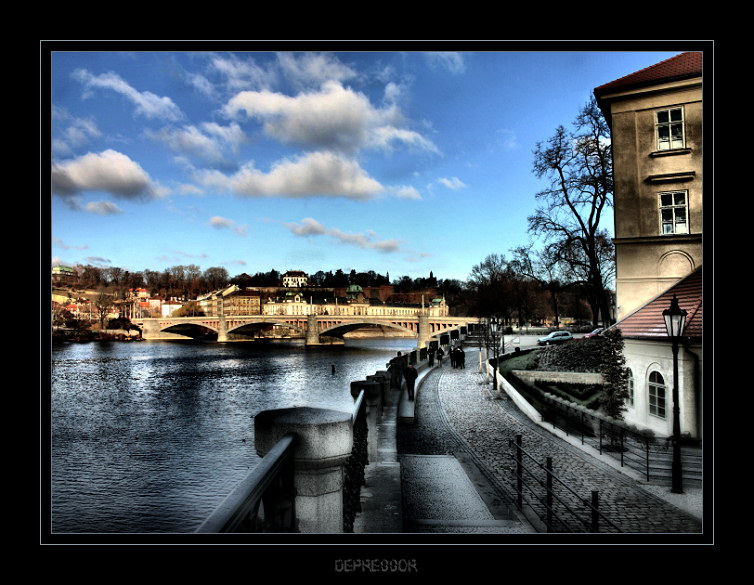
(396, 367)
(461, 358)
(431, 356)
(439, 354)
(410, 374)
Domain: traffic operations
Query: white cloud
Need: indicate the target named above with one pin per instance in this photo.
(316, 174)
(209, 141)
(311, 227)
(406, 192)
(102, 208)
(332, 118)
(147, 104)
(452, 183)
(312, 69)
(450, 61)
(218, 222)
(109, 171)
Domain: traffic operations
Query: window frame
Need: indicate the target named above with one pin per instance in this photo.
(665, 145)
(657, 400)
(673, 207)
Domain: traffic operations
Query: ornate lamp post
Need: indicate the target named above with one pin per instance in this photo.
(675, 321)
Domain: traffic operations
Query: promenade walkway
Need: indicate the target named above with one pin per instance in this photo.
(452, 471)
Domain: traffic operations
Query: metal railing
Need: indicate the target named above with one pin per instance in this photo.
(555, 503)
(638, 451)
(264, 500)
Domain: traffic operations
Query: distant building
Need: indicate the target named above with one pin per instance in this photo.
(242, 302)
(64, 276)
(295, 278)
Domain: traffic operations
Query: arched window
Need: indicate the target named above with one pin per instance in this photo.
(630, 388)
(657, 395)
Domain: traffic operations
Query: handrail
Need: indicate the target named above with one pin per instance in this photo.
(354, 466)
(596, 514)
(357, 405)
(238, 512)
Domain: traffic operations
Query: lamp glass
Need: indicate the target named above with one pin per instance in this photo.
(675, 319)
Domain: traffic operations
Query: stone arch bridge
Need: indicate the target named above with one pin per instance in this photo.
(312, 327)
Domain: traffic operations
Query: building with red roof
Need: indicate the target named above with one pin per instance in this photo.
(655, 117)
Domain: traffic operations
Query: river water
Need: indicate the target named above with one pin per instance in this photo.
(150, 437)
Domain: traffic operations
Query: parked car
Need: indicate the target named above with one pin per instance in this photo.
(555, 337)
(594, 333)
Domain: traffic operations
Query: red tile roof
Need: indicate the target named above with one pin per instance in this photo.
(647, 322)
(678, 67)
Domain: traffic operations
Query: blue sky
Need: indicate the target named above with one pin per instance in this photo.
(397, 162)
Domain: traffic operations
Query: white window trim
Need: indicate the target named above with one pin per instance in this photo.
(662, 207)
(669, 124)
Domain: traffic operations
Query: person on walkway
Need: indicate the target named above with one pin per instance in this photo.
(439, 354)
(396, 367)
(410, 374)
(461, 358)
(431, 356)
(453, 357)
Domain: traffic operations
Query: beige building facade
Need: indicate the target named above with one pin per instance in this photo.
(655, 116)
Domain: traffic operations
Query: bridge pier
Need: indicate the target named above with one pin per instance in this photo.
(222, 329)
(424, 332)
(312, 330)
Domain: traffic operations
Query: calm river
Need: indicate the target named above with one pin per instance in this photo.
(150, 437)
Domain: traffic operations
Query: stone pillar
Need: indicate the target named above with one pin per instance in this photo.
(374, 401)
(312, 330)
(325, 441)
(424, 332)
(222, 329)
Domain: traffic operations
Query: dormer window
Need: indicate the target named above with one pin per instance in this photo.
(670, 131)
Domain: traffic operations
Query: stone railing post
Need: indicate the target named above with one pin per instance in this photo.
(325, 441)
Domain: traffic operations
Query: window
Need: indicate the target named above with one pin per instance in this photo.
(670, 129)
(674, 212)
(657, 395)
(630, 388)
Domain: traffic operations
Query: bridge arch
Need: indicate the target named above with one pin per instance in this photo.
(337, 328)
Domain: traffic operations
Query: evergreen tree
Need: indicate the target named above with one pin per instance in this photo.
(614, 373)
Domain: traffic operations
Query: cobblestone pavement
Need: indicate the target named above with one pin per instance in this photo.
(456, 413)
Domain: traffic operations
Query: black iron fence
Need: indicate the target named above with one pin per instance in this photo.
(552, 500)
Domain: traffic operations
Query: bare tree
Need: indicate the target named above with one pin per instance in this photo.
(579, 167)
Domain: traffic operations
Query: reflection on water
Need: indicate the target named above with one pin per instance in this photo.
(150, 437)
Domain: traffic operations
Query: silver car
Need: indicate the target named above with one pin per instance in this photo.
(555, 337)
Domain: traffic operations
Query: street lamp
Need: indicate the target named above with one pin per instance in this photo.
(493, 328)
(675, 321)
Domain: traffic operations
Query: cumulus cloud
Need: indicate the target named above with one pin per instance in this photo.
(316, 174)
(333, 118)
(147, 103)
(109, 171)
(220, 223)
(311, 227)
